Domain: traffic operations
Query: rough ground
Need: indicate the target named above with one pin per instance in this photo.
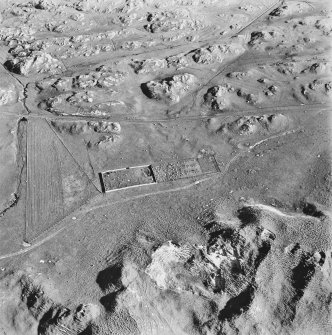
(89, 86)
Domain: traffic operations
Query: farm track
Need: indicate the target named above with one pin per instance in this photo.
(239, 61)
(55, 196)
(72, 156)
(269, 9)
(202, 42)
(188, 186)
(177, 189)
(48, 162)
(125, 119)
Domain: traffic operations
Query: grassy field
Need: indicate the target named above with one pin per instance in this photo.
(44, 203)
(56, 184)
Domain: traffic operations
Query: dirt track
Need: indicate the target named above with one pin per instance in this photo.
(95, 86)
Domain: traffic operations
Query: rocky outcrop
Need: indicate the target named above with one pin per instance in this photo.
(247, 125)
(76, 128)
(170, 89)
(218, 97)
(33, 310)
(34, 63)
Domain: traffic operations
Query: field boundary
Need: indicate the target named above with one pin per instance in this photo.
(160, 172)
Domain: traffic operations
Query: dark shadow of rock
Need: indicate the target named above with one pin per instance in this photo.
(9, 65)
(110, 278)
(238, 304)
(109, 301)
(145, 89)
(311, 210)
(87, 331)
(248, 215)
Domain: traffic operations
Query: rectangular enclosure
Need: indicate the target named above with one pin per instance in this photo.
(169, 171)
(127, 177)
(187, 168)
(157, 173)
(208, 164)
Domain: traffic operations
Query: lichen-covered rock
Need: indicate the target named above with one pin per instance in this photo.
(205, 56)
(169, 21)
(248, 125)
(226, 265)
(237, 74)
(83, 126)
(33, 63)
(318, 68)
(290, 8)
(178, 61)
(63, 84)
(324, 25)
(171, 89)
(84, 81)
(8, 94)
(218, 97)
(105, 126)
(43, 5)
(271, 90)
(216, 53)
(258, 37)
(108, 140)
(110, 79)
(149, 65)
(249, 97)
(74, 322)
